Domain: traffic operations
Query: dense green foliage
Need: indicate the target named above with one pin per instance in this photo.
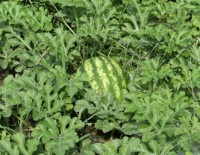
(47, 108)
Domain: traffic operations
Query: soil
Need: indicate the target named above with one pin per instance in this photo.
(3, 74)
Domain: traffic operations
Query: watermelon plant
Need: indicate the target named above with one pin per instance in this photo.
(90, 77)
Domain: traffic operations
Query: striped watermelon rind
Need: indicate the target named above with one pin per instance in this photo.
(105, 76)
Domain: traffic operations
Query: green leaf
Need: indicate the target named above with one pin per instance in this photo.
(106, 148)
(149, 71)
(106, 126)
(127, 146)
(165, 71)
(26, 147)
(6, 146)
(196, 20)
(56, 136)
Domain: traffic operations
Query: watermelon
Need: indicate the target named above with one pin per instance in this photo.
(105, 76)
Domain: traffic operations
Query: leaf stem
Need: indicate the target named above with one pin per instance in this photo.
(22, 40)
(63, 19)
